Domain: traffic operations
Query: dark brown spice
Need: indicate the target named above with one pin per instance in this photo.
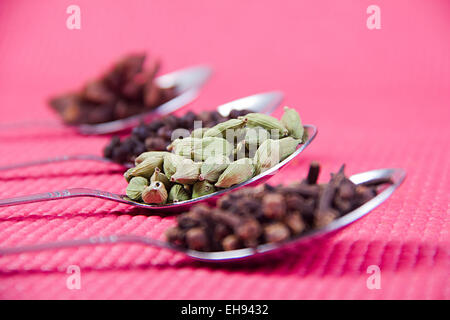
(268, 214)
(157, 135)
(123, 91)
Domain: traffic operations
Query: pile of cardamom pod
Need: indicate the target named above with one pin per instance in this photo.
(209, 159)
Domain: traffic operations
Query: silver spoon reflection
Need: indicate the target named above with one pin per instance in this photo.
(395, 175)
(265, 102)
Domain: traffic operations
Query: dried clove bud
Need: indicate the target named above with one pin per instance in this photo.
(276, 232)
(274, 206)
(313, 173)
(266, 214)
(230, 242)
(196, 239)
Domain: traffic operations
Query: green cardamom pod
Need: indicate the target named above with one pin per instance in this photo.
(178, 193)
(220, 130)
(127, 175)
(271, 152)
(161, 177)
(267, 155)
(288, 146)
(198, 133)
(214, 146)
(155, 193)
(185, 147)
(213, 167)
(147, 167)
(240, 151)
(136, 187)
(148, 154)
(291, 120)
(201, 149)
(256, 136)
(202, 188)
(271, 124)
(238, 171)
(187, 172)
(170, 164)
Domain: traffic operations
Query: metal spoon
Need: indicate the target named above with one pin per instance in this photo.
(395, 175)
(187, 83)
(171, 207)
(265, 102)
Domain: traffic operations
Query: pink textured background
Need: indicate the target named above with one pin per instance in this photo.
(380, 98)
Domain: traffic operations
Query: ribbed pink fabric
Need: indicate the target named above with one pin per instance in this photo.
(379, 97)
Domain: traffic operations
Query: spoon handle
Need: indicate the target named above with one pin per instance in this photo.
(61, 194)
(30, 123)
(89, 157)
(113, 239)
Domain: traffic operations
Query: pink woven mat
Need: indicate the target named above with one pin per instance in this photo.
(380, 98)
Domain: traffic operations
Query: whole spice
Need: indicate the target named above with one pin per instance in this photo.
(256, 135)
(136, 187)
(213, 146)
(198, 133)
(147, 167)
(271, 124)
(201, 149)
(204, 163)
(150, 154)
(276, 232)
(156, 193)
(238, 171)
(187, 172)
(267, 214)
(171, 162)
(267, 155)
(127, 175)
(178, 193)
(287, 147)
(274, 206)
(220, 130)
(213, 167)
(124, 90)
(271, 152)
(291, 120)
(202, 188)
(157, 135)
(161, 177)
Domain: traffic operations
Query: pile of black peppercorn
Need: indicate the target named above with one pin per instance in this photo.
(267, 214)
(157, 135)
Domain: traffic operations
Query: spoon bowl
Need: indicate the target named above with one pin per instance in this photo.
(187, 83)
(395, 175)
(166, 208)
(265, 102)
(213, 197)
